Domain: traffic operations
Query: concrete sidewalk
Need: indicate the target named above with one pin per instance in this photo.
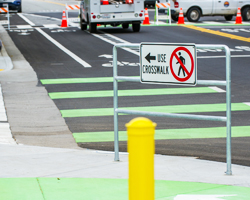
(57, 173)
(56, 168)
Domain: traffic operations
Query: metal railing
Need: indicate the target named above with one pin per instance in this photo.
(226, 83)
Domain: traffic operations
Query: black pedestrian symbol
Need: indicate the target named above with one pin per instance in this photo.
(182, 63)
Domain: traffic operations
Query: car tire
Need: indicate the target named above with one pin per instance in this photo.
(246, 14)
(136, 27)
(92, 27)
(193, 14)
(19, 10)
(125, 25)
(175, 17)
(228, 17)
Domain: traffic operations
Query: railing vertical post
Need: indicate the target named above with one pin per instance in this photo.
(115, 88)
(228, 99)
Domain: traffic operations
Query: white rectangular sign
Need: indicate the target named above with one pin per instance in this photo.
(168, 63)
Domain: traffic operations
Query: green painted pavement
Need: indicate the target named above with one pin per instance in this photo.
(111, 189)
(194, 108)
(164, 134)
(135, 92)
(78, 80)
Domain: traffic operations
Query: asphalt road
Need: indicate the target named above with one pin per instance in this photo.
(93, 127)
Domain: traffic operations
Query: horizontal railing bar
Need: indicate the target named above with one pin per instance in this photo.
(211, 82)
(172, 115)
(199, 82)
(127, 45)
(126, 78)
(202, 46)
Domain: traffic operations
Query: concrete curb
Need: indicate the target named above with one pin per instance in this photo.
(33, 117)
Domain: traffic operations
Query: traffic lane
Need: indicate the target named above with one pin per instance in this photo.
(206, 149)
(40, 6)
(58, 15)
(47, 60)
(58, 64)
(173, 34)
(91, 50)
(14, 19)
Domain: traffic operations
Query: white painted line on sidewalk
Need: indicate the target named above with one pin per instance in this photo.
(217, 89)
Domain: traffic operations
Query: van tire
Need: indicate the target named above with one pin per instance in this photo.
(175, 17)
(83, 24)
(246, 14)
(228, 17)
(193, 14)
(92, 27)
(136, 27)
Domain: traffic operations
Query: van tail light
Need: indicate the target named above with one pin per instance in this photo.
(176, 4)
(129, 1)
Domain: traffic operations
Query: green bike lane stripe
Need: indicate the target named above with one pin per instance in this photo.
(112, 189)
(135, 92)
(194, 108)
(164, 134)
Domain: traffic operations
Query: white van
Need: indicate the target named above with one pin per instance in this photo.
(111, 12)
(194, 9)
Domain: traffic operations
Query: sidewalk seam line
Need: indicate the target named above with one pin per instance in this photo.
(40, 188)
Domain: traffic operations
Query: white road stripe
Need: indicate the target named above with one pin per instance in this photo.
(25, 19)
(108, 38)
(217, 89)
(24, 27)
(51, 26)
(75, 57)
(247, 103)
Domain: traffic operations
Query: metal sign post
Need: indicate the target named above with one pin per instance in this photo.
(226, 83)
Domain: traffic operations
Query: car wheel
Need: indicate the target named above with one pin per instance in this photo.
(228, 17)
(125, 25)
(175, 17)
(19, 10)
(193, 15)
(136, 27)
(246, 14)
(92, 27)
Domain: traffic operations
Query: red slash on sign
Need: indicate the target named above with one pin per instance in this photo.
(189, 73)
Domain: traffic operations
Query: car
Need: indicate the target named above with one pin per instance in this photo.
(149, 3)
(14, 5)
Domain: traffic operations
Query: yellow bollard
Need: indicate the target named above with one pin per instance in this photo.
(141, 148)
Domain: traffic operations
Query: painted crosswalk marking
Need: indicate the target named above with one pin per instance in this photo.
(134, 92)
(166, 134)
(194, 108)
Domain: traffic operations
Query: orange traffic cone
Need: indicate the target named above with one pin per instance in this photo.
(181, 17)
(238, 17)
(146, 20)
(64, 20)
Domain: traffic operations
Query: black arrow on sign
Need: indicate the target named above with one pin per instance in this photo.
(149, 58)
